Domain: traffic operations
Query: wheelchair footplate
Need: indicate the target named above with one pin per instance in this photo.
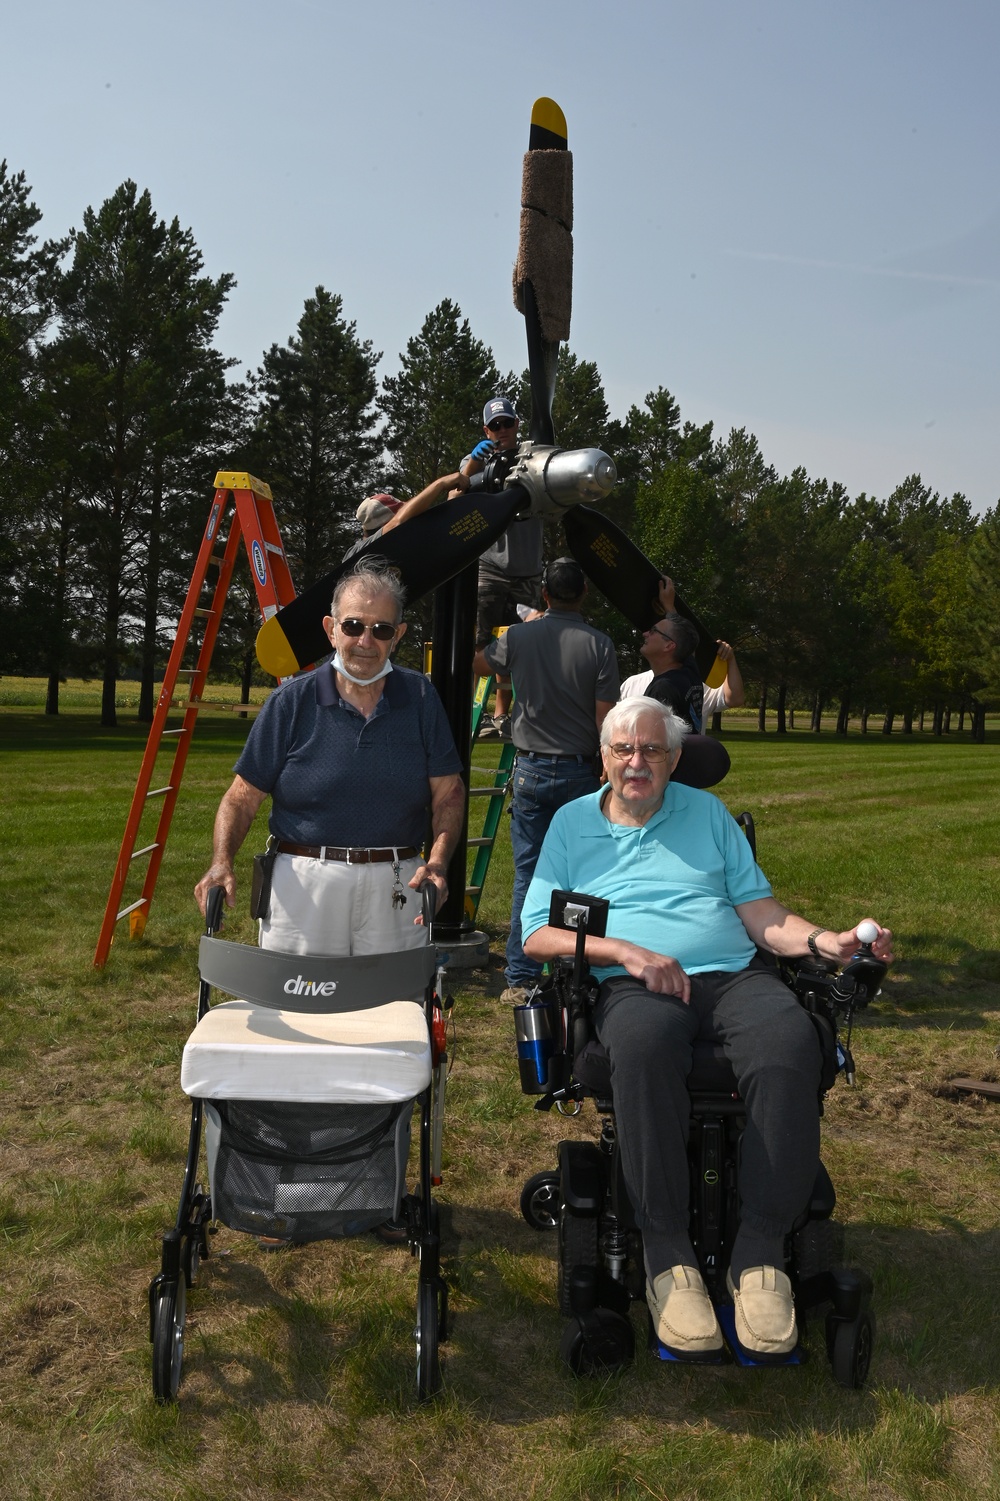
(732, 1351)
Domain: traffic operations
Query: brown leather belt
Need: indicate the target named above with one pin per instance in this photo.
(352, 856)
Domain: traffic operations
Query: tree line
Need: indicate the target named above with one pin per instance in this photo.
(117, 409)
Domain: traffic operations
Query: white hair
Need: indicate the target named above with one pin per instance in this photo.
(623, 718)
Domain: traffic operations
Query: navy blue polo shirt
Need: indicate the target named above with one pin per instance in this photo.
(338, 778)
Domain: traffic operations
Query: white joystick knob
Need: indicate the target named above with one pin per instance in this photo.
(867, 932)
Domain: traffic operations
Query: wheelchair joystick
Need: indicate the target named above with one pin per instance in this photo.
(867, 934)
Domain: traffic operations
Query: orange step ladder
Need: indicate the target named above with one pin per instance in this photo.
(252, 519)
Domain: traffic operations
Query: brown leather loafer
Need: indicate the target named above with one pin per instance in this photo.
(765, 1313)
(682, 1311)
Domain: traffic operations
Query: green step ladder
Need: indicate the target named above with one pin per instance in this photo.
(495, 793)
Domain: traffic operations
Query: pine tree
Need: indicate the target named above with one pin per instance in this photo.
(315, 442)
(433, 407)
(134, 378)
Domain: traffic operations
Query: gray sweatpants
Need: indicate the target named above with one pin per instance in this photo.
(774, 1051)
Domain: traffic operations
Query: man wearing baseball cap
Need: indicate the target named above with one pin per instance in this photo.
(379, 513)
(510, 572)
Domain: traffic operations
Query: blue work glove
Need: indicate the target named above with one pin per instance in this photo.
(483, 450)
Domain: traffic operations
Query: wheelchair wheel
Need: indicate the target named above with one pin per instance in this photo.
(597, 1342)
(577, 1247)
(428, 1322)
(540, 1201)
(168, 1339)
(850, 1343)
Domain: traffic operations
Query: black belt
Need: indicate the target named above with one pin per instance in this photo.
(555, 756)
(353, 856)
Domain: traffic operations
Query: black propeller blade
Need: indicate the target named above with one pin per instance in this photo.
(610, 558)
(426, 552)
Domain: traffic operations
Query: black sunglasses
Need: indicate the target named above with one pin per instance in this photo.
(381, 630)
(501, 425)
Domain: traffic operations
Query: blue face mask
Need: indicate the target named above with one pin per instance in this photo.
(338, 664)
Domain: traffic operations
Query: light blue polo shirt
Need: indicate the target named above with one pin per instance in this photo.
(672, 884)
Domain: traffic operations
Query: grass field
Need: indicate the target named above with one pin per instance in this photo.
(299, 1366)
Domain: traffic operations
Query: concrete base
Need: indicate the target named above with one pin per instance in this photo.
(467, 950)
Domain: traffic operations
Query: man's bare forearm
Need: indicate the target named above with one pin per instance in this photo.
(237, 811)
(447, 813)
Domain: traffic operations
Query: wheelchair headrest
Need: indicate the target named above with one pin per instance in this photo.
(703, 763)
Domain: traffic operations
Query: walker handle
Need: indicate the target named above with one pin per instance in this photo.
(213, 910)
(428, 893)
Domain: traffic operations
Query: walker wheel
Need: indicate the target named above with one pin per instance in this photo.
(427, 1331)
(169, 1311)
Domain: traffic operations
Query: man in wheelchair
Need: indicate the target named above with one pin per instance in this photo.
(683, 884)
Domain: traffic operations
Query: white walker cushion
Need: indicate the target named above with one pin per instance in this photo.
(243, 1052)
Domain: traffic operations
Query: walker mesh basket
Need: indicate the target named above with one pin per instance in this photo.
(306, 1172)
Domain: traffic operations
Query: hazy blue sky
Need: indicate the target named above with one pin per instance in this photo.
(786, 210)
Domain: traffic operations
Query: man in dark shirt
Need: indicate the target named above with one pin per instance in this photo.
(355, 757)
(669, 646)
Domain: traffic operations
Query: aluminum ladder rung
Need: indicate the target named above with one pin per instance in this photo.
(158, 792)
(147, 849)
(126, 910)
(487, 791)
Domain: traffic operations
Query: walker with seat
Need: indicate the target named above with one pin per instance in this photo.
(304, 1088)
(600, 1261)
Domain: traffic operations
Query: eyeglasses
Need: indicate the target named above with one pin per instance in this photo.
(662, 635)
(381, 630)
(501, 425)
(654, 754)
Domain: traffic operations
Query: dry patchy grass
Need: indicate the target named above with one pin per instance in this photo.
(299, 1369)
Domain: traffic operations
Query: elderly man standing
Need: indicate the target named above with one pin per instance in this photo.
(356, 757)
(689, 908)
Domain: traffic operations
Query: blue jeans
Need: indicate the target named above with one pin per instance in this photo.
(542, 784)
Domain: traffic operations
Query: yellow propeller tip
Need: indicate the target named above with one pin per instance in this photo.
(717, 675)
(274, 652)
(547, 114)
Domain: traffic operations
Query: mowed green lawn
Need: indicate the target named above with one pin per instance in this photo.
(299, 1367)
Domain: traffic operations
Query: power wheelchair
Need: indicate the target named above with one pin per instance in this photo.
(600, 1260)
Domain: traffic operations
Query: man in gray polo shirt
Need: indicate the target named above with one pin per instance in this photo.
(565, 680)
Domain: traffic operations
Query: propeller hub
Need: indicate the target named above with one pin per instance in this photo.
(556, 478)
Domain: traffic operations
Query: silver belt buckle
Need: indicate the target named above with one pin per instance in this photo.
(354, 854)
